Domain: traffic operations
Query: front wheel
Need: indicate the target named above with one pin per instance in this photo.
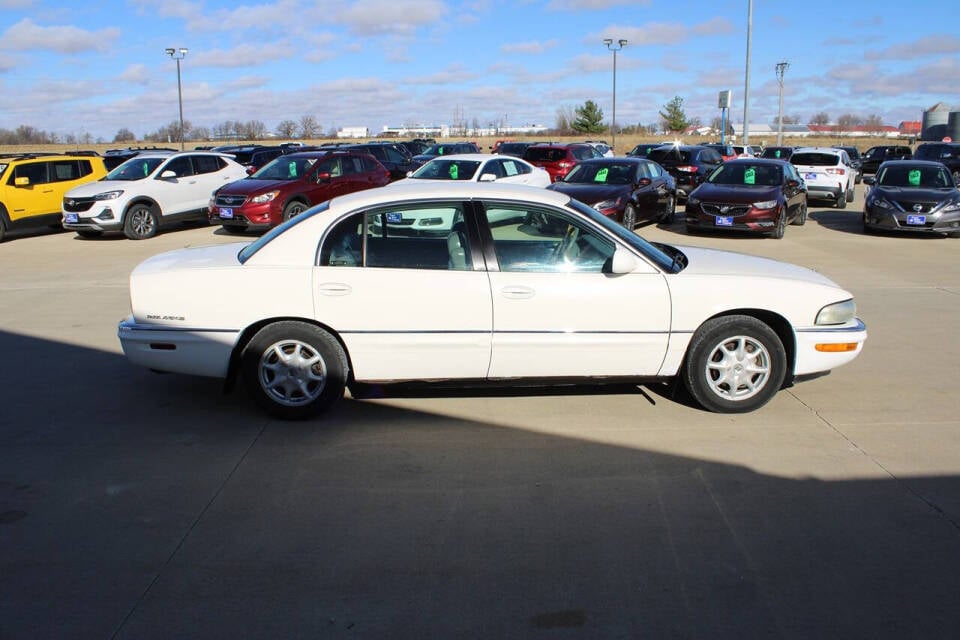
(669, 211)
(294, 370)
(781, 226)
(734, 364)
(140, 222)
(293, 209)
(630, 216)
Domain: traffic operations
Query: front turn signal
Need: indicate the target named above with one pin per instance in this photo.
(836, 347)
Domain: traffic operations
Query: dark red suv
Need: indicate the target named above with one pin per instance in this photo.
(290, 184)
(558, 159)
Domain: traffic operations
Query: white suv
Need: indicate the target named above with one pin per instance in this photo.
(829, 174)
(149, 191)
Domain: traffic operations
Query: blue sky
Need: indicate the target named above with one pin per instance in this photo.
(95, 67)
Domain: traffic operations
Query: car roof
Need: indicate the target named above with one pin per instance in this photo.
(757, 160)
(918, 163)
(473, 157)
(817, 150)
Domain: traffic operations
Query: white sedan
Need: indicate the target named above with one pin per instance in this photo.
(482, 167)
(348, 293)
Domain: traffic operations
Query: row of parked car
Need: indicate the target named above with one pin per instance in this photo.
(257, 187)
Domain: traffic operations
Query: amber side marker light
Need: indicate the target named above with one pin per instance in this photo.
(837, 347)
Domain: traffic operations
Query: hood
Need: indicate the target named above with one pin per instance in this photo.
(716, 262)
(914, 194)
(90, 189)
(591, 193)
(247, 186)
(735, 193)
(214, 256)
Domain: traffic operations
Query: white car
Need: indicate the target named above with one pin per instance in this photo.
(828, 173)
(482, 167)
(343, 294)
(149, 191)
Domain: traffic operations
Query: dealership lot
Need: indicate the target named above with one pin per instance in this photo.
(137, 505)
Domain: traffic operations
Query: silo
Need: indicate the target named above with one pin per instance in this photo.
(935, 122)
(953, 125)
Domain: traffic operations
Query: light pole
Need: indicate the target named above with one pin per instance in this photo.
(613, 123)
(178, 55)
(781, 68)
(746, 77)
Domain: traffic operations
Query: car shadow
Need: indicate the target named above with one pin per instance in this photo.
(141, 506)
(851, 221)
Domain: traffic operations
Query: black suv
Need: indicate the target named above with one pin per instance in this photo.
(875, 156)
(689, 165)
(391, 155)
(947, 153)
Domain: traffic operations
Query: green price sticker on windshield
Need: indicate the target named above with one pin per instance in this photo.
(601, 175)
(914, 177)
(750, 176)
(454, 171)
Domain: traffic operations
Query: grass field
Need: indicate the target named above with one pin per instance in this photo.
(624, 142)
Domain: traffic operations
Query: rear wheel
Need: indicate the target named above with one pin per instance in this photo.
(842, 200)
(734, 364)
(140, 222)
(294, 370)
(630, 216)
(801, 218)
(851, 193)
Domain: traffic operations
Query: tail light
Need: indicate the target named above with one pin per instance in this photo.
(836, 172)
(564, 164)
(688, 168)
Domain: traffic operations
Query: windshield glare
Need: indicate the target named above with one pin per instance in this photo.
(447, 170)
(915, 177)
(601, 173)
(747, 175)
(285, 168)
(135, 169)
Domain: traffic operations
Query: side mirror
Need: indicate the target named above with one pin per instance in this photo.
(21, 182)
(251, 171)
(488, 177)
(623, 261)
(168, 175)
(323, 177)
(409, 173)
(869, 180)
(644, 182)
(793, 184)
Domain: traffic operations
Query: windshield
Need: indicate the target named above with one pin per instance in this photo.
(135, 169)
(447, 170)
(748, 175)
(915, 177)
(248, 251)
(437, 150)
(602, 173)
(545, 154)
(285, 168)
(652, 253)
(669, 155)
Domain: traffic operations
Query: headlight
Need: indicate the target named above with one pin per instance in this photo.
(265, 197)
(108, 195)
(951, 206)
(607, 204)
(766, 204)
(837, 313)
(880, 202)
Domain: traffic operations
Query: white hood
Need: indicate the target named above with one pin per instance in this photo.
(728, 263)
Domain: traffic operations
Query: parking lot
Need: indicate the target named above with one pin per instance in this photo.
(138, 505)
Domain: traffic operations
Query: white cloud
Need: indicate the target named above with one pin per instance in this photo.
(532, 48)
(27, 35)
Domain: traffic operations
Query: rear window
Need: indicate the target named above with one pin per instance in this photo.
(535, 154)
(669, 156)
(936, 151)
(815, 159)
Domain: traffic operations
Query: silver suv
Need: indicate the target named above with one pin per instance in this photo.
(149, 191)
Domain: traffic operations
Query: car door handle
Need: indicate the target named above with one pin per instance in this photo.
(517, 292)
(334, 289)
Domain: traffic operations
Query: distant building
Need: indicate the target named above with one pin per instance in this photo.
(446, 131)
(353, 132)
(910, 128)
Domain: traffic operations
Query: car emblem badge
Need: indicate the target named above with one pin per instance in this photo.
(724, 209)
(918, 207)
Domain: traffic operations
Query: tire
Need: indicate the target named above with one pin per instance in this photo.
(89, 234)
(842, 201)
(3, 231)
(671, 209)
(780, 227)
(851, 193)
(294, 370)
(140, 222)
(801, 218)
(293, 209)
(630, 216)
(734, 364)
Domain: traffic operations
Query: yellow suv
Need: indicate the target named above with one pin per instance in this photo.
(32, 186)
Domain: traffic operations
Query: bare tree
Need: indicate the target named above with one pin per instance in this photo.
(821, 118)
(286, 129)
(309, 127)
(873, 123)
